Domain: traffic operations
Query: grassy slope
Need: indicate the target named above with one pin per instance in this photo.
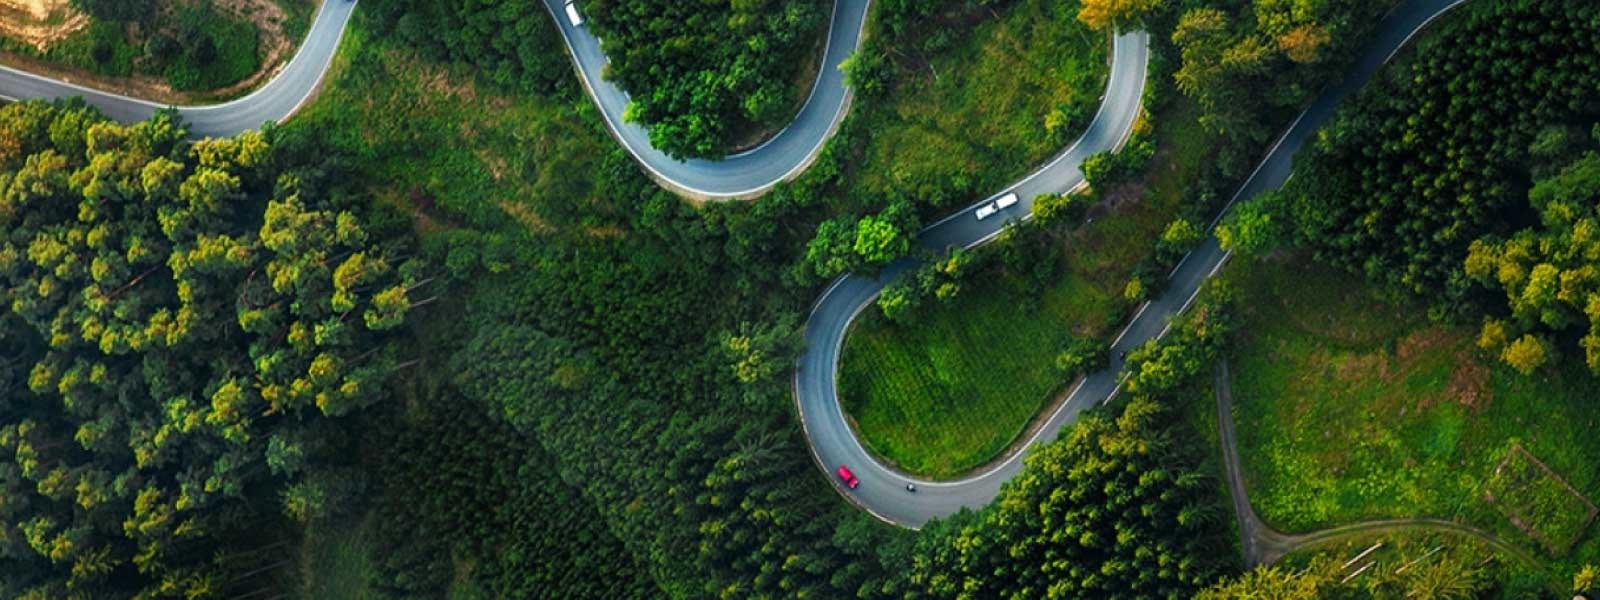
(431, 133)
(1351, 407)
(976, 113)
(949, 392)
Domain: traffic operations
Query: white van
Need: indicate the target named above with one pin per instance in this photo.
(572, 14)
(1006, 201)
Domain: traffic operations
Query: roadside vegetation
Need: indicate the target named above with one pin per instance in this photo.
(455, 146)
(946, 386)
(178, 49)
(707, 78)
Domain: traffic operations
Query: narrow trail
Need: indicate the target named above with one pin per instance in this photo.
(1264, 545)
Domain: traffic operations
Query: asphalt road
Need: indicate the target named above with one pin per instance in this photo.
(742, 175)
(882, 489)
(274, 101)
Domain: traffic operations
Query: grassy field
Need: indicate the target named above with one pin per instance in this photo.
(1353, 407)
(432, 135)
(332, 564)
(974, 372)
(953, 389)
(976, 114)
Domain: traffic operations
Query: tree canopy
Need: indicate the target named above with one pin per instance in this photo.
(193, 315)
(703, 72)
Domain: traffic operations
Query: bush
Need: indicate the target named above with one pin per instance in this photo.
(1080, 355)
(212, 50)
(1178, 239)
(1059, 212)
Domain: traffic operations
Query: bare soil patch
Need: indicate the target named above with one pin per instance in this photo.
(40, 23)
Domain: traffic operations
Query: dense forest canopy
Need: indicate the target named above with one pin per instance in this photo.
(510, 42)
(701, 73)
(1457, 174)
(184, 323)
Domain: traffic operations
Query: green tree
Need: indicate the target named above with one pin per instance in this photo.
(189, 319)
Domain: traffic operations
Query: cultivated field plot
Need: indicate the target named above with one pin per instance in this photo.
(1538, 501)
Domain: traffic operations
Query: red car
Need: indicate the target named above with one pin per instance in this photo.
(847, 477)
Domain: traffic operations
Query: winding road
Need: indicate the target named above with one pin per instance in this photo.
(741, 175)
(276, 100)
(882, 490)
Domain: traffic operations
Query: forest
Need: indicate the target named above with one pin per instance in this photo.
(1491, 221)
(214, 349)
(710, 77)
(186, 325)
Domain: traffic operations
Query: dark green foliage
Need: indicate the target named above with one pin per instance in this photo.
(192, 315)
(460, 489)
(101, 48)
(1116, 508)
(1081, 355)
(703, 72)
(1242, 60)
(1435, 153)
(868, 72)
(194, 46)
(205, 49)
(1160, 366)
(940, 279)
(847, 244)
(121, 11)
(1105, 170)
(511, 42)
(625, 356)
(1061, 212)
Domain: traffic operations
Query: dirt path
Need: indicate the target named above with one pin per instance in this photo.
(1264, 545)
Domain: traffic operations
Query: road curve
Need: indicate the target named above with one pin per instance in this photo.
(882, 489)
(274, 101)
(741, 175)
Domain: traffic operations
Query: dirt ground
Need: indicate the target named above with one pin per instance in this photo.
(41, 22)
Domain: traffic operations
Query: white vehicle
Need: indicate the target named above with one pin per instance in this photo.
(572, 14)
(986, 210)
(1006, 201)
